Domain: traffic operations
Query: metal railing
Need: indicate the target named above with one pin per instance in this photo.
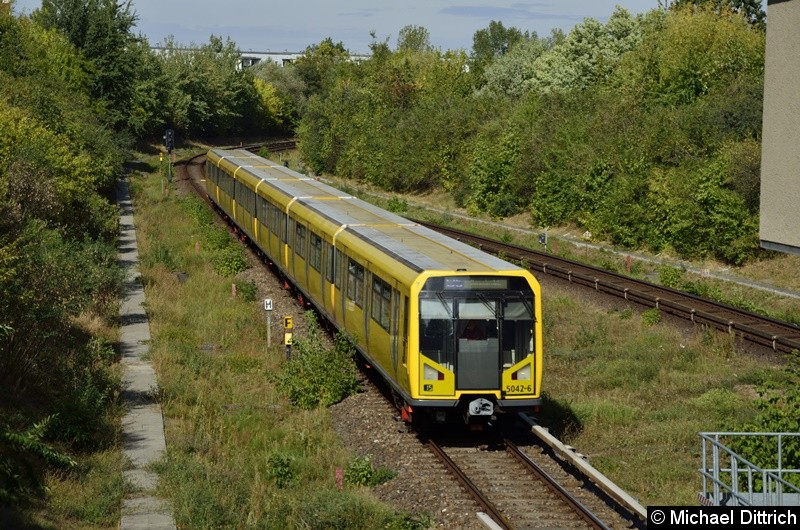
(731, 480)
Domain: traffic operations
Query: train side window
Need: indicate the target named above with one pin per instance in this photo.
(315, 259)
(275, 221)
(337, 275)
(268, 215)
(300, 239)
(404, 331)
(329, 257)
(247, 198)
(355, 283)
(229, 184)
(381, 302)
(261, 210)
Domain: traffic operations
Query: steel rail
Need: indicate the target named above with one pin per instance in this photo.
(470, 486)
(555, 487)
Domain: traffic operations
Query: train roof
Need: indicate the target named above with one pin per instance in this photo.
(418, 247)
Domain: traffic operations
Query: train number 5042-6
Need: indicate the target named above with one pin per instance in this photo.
(519, 389)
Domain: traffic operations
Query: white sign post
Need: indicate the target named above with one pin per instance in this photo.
(268, 309)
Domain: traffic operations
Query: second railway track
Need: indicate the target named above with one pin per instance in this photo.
(780, 336)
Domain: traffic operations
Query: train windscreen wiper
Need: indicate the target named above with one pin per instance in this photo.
(440, 295)
(491, 307)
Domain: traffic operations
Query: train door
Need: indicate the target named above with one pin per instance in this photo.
(477, 344)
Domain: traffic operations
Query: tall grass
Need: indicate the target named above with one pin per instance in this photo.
(240, 453)
(632, 394)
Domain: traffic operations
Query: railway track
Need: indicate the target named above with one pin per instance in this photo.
(769, 332)
(515, 478)
(513, 490)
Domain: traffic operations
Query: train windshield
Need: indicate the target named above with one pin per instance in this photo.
(476, 326)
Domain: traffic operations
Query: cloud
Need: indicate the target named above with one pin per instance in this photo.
(523, 11)
(365, 12)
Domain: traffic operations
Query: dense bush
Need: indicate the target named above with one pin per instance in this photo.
(59, 274)
(317, 375)
(779, 406)
(644, 130)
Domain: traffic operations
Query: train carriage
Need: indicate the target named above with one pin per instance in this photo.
(455, 331)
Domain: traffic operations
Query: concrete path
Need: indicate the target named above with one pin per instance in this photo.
(143, 425)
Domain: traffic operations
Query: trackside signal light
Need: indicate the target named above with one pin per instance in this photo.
(431, 374)
(523, 373)
(169, 140)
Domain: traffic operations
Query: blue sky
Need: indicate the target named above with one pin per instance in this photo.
(292, 26)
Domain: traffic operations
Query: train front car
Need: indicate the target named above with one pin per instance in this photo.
(479, 343)
(454, 331)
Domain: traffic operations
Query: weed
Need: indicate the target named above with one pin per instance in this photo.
(397, 205)
(248, 290)
(360, 472)
(160, 253)
(281, 470)
(651, 317)
(670, 276)
(590, 337)
(230, 261)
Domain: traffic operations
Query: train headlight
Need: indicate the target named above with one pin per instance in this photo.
(523, 373)
(429, 373)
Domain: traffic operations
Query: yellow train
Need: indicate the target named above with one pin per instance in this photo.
(456, 332)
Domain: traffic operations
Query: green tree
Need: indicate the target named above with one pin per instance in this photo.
(208, 93)
(58, 264)
(288, 86)
(492, 42)
(318, 65)
(512, 73)
(587, 56)
(489, 177)
(751, 10)
(691, 53)
(146, 115)
(102, 30)
(414, 39)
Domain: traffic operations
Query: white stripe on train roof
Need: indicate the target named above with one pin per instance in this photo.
(337, 213)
